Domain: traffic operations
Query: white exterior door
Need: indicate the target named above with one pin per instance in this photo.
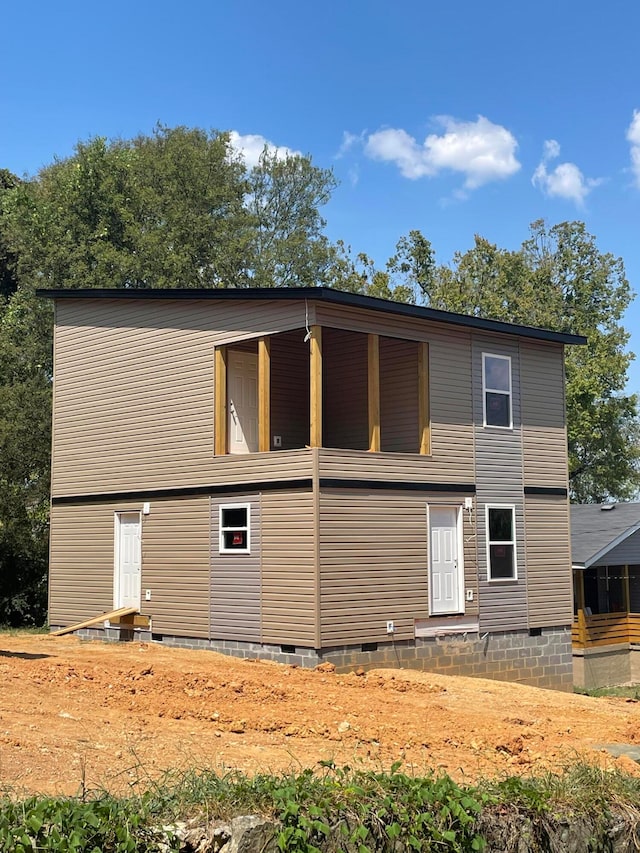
(444, 569)
(242, 381)
(128, 560)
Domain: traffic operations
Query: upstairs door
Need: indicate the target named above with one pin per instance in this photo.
(242, 384)
(128, 560)
(444, 565)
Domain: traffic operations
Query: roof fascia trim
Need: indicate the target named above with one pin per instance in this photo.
(319, 294)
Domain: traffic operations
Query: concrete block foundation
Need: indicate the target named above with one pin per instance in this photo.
(541, 658)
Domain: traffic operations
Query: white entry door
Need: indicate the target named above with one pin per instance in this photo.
(444, 575)
(128, 560)
(242, 383)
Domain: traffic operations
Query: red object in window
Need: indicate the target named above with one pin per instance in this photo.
(238, 539)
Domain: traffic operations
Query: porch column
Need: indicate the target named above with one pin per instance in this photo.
(264, 395)
(220, 401)
(373, 381)
(315, 387)
(424, 413)
(625, 589)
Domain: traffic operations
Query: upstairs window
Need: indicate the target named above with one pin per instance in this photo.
(496, 390)
(234, 529)
(501, 543)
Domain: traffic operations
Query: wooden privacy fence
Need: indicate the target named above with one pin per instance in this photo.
(605, 629)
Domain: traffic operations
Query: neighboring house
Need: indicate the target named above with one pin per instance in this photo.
(605, 545)
(312, 475)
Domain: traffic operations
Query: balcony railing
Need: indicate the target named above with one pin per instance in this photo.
(605, 629)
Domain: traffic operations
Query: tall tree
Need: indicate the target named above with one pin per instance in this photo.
(560, 280)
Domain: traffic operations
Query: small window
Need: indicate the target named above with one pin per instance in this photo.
(234, 529)
(496, 386)
(501, 545)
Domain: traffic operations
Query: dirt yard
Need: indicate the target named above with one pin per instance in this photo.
(113, 715)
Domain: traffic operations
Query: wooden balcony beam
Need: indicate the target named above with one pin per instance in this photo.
(220, 401)
(315, 389)
(264, 394)
(424, 412)
(373, 384)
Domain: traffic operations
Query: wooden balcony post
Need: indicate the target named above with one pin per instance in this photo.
(264, 394)
(424, 414)
(315, 387)
(220, 401)
(373, 381)
(582, 628)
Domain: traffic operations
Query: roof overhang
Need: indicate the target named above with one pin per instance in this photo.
(597, 557)
(318, 294)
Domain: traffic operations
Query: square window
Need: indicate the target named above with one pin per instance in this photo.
(496, 390)
(234, 529)
(501, 545)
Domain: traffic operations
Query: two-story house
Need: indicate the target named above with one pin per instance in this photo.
(312, 475)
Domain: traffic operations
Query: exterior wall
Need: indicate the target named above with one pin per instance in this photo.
(604, 666)
(175, 563)
(499, 480)
(134, 381)
(344, 389)
(289, 593)
(290, 389)
(451, 457)
(235, 578)
(399, 395)
(374, 563)
(544, 436)
(549, 578)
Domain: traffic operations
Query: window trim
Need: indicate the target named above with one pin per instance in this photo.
(486, 389)
(513, 541)
(222, 530)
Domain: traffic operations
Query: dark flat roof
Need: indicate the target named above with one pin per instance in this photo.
(318, 294)
(595, 532)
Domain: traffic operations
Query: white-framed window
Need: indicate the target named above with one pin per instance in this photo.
(235, 529)
(501, 543)
(496, 390)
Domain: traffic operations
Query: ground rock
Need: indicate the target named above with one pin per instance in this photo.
(251, 834)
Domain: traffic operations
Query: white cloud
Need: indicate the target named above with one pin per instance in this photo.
(633, 137)
(348, 142)
(252, 145)
(565, 181)
(480, 150)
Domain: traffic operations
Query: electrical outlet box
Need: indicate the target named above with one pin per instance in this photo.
(390, 627)
(468, 503)
(469, 595)
(147, 595)
(277, 441)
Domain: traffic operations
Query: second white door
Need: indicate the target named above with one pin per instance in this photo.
(444, 575)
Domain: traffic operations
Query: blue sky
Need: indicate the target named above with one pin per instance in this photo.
(456, 119)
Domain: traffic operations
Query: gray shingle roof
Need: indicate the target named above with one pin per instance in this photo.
(595, 531)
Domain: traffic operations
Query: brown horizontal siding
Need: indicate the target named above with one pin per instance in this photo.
(549, 576)
(399, 395)
(175, 555)
(392, 467)
(373, 565)
(134, 388)
(290, 389)
(175, 566)
(288, 568)
(345, 420)
(544, 437)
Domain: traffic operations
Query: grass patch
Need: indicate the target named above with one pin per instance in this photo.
(340, 809)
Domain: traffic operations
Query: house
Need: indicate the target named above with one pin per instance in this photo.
(605, 546)
(310, 475)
